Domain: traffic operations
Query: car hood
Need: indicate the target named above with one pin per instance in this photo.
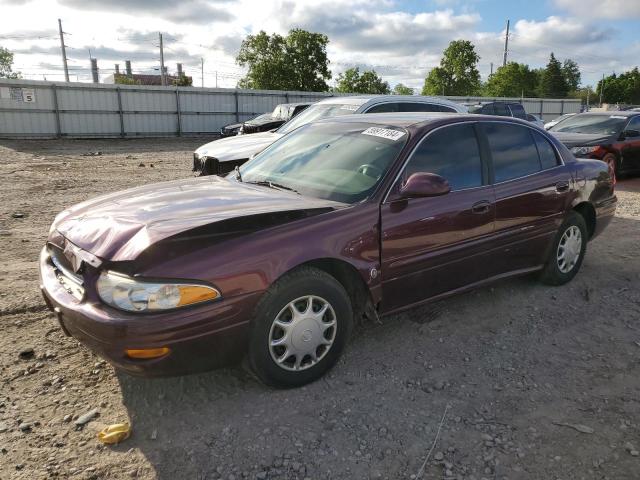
(121, 225)
(582, 139)
(239, 147)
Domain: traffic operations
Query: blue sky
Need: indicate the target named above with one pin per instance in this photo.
(401, 40)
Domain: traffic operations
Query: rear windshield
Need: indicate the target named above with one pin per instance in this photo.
(593, 124)
(343, 162)
(316, 112)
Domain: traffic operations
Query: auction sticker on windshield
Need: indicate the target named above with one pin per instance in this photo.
(384, 133)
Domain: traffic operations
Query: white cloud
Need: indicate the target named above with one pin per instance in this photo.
(401, 46)
(601, 8)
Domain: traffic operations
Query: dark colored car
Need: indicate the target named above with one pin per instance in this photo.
(349, 217)
(502, 109)
(281, 114)
(233, 128)
(613, 137)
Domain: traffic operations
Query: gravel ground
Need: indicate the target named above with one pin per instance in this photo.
(522, 381)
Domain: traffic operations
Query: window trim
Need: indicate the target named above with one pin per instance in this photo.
(483, 143)
(486, 168)
(631, 119)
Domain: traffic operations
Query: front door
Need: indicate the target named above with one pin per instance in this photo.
(434, 245)
(631, 147)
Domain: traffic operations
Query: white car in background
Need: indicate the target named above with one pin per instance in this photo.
(222, 156)
(557, 120)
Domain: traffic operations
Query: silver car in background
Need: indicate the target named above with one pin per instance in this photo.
(222, 156)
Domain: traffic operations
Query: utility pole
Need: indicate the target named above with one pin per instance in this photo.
(216, 78)
(202, 72)
(94, 70)
(491, 69)
(506, 45)
(64, 52)
(601, 89)
(163, 79)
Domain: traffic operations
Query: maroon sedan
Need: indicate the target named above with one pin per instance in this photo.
(350, 217)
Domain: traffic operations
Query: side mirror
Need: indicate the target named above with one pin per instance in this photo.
(422, 184)
(630, 134)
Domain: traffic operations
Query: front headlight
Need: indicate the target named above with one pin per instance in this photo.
(583, 150)
(133, 295)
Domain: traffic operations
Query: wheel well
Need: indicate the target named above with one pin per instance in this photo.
(589, 214)
(352, 282)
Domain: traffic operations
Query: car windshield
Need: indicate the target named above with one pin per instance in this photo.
(585, 123)
(343, 162)
(316, 112)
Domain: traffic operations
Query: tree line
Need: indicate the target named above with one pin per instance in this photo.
(299, 61)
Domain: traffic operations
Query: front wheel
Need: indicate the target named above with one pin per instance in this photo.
(300, 328)
(567, 252)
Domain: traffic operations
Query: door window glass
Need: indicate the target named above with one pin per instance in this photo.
(547, 153)
(384, 108)
(451, 152)
(518, 111)
(513, 150)
(501, 109)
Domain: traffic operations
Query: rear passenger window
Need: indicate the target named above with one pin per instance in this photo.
(513, 151)
(451, 152)
(501, 109)
(424, 107)
(488, 109)
(518, 111)
(547, 153)
(385, 108)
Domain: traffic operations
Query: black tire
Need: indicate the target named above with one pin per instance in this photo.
(552, 273)
(300, 283)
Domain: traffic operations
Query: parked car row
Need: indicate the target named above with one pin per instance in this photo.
(342, 213)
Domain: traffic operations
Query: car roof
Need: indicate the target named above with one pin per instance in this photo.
(376, 99)
(404, 119)
(617, 113)
(417, 119)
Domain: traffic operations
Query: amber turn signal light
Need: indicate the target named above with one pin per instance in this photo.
(147, 353)
(190, 294)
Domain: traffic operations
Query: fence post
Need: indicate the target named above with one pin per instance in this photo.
(541, 108)
(56, 110)
(286, 97)
(237, 106)
(561, 107)
(120, 113)
(178, 112)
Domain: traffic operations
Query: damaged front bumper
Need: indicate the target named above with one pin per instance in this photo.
(199, 338)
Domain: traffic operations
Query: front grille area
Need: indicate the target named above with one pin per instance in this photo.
(227, 167)
(62, 263)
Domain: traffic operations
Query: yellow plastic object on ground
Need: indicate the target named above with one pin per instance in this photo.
(114, 434)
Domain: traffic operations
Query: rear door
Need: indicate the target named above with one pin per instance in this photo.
(631, 147)
(435, 245)
(531, 187)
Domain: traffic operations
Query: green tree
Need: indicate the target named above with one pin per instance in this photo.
(401, 89)
(122, 79)
(183, 81)
(571, 73)
(553, 83)
(457, 74)
(352, 81)
(623, 88)
(512, 80)
(297, 61)
(6, 63)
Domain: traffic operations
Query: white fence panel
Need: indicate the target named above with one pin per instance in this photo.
(30, 108)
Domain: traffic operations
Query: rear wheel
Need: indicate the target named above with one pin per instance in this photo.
(300, 328)
(567, 253)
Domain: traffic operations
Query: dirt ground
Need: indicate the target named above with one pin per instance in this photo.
(522, 381)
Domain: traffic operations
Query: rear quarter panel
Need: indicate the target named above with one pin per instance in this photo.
(595, 186)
